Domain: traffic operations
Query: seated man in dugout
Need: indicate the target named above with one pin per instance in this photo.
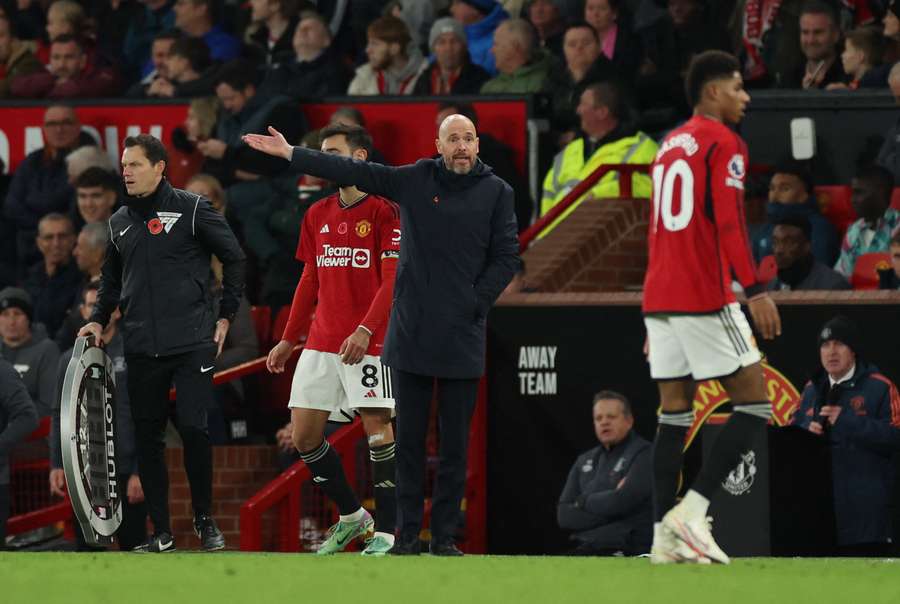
(606, 503)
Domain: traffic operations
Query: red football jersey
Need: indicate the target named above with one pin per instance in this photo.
(698, 235)
(346, 245)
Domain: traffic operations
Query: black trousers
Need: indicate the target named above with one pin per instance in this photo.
(456, 401)
(149, 380)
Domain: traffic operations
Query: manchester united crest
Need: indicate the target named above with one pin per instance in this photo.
(363, 228)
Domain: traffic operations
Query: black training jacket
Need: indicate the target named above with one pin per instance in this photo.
(157, 269)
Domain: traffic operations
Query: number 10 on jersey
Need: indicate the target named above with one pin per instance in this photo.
(664, 179)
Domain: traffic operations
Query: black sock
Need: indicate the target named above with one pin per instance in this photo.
(668, 455)
(736, 438)
(328, 473)
(383, 477)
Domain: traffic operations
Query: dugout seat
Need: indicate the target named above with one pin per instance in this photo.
(767, 270)
(834, 203)
(865, 271)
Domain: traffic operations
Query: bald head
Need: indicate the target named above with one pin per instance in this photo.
(457, 142)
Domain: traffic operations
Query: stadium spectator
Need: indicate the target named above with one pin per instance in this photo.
(417, 15)
(861, 61)
(820, 36)
(64, 18)
(791, 195)
(96, 192)
(133, 530)
(314, 70)
(86, 157)
(686, 29)
(607, 139)
(25, 346)
(889, 154)
(606, 503)
(245, 111)
(269, 38)
(351, 116)
(610, 20)
(452, 71)
(68, 76)
(40, 184)
(548, 19)
(480, 18)
(585, 64)
(197, 19)
(499, 157)
(159, 54)
(18, 418)
(798, 268)
(523, 66)
(889, 278)
(394, 64)
(54, 282)
(857, 410)
(112, 19)
(16, 58)
(199, 124)
(891, 32)
(156, 17)
(90, 248)
(423, 356)
(871, 199)
(189, 71)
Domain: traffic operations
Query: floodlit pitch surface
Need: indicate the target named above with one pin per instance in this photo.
(38, 578)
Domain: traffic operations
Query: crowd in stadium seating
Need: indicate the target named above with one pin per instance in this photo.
(607, 74)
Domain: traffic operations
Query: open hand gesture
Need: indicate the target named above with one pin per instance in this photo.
(272, 145)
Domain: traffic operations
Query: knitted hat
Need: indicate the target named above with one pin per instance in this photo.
(14, 297)
(843, 330)
(447, 25)
(482, 6)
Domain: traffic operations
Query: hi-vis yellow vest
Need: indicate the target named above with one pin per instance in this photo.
(569, 169)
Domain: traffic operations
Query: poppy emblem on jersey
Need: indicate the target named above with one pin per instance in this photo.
(342, 228)
(363, 228)
(155, 226)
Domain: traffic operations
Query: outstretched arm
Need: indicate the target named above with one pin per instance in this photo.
(369, 177)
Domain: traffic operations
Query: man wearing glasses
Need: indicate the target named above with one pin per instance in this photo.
(40, 184)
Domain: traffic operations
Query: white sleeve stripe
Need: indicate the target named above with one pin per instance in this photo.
(111, 236)
(194, 217)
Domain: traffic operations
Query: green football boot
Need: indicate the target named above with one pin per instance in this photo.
(377, 546)
(341, 534)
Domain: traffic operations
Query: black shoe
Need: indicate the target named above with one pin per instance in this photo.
(444, 548)
(159, 543)
(211, 538)
(406, 547)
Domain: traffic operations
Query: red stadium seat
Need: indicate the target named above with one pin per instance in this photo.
(262, 321)
(895, 198)
(767, 270)
(834, 202)
(865, 271)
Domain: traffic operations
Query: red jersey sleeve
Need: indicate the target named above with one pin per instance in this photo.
(306, 246)
(389, 231)
(728, 171)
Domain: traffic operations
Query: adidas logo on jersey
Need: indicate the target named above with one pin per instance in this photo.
(168, 219)
(324, 229)
(371, 394)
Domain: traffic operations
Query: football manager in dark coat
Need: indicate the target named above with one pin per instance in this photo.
(459, 251)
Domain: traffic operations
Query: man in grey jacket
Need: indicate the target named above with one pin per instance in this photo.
(798, 268)
(459, 251)
(18, 418)
(27, 348)
(606, 502)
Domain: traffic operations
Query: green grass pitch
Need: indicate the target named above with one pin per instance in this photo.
(39, 578)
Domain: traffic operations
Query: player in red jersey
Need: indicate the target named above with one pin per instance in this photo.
(695, 328)
(349, 244)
